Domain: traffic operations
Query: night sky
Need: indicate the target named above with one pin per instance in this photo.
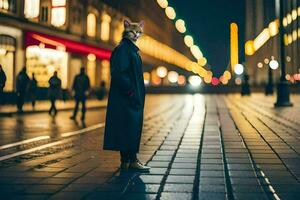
(208, 22)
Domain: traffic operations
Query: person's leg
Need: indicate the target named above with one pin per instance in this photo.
(20, 101)
(75, 109)
(132, 157)
(135, 164)
(54, 106)
(83, 109)
(124, 160)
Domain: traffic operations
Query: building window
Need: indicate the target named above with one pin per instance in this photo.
(105, 72)
(118, 32)
(7, 58)
(44, 61)
(91, 25)
(76, 17)
(91, 69)
(105, 27)
(8, 6)
(58, 12)
(32, 8)
(44, 14)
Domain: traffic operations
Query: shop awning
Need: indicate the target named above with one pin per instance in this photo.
(54, 42)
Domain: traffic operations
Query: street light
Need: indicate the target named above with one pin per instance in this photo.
(274, 64)
(283, 90)
(238, 69)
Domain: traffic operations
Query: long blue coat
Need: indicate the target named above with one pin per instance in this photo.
(124, 117)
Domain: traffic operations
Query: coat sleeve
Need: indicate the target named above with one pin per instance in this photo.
(120, 72)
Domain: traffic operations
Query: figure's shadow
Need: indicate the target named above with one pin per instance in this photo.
(125, 185)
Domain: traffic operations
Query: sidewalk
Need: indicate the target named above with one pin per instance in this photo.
(200, 147)
(43, 106)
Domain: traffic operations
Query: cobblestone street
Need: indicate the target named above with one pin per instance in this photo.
(199, 147)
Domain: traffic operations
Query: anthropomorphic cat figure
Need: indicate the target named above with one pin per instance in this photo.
(124, 117)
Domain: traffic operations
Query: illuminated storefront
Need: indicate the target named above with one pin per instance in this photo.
(44, 61)
(46, 54)
(7, 58)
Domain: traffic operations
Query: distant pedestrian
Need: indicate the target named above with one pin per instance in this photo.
(22, 84)
(54, 92)
(125, 109)
(2, 83)
(102, 91)
(81, 86)
(32, 90)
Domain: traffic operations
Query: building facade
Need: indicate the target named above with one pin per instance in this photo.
(64, 35)
(262, 36)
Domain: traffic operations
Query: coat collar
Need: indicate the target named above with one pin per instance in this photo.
(131, 44)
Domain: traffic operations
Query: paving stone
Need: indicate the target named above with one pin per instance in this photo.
(138, 196)
(184, 166)
(178, 188)
(180, 179)
(182, 171)
(212, 174)
(150, 179)
(212, 196)
(143, 188)
(250, 196)
(212, 188)
(177, 196)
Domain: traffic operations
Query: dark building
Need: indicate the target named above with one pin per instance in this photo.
(63, 35)
(263, 39)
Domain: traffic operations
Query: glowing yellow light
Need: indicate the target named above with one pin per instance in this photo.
(91, 57)
(180, 25)
(284, 22)
(227, 75)
(160, 51)
(289, 18)
(290, 38)
(295, 35)
(170, 12)
(207, 79)
(298, 32)
(188, 40)
(260, 65)
(105, 27)
(288, 77)
(173, 76)
(286, 40)
(294, 14)
(249, 48)
(58, 12)
(273, 28)
(195, 81)
(299, 11)
(261, 39)
(32, 8)
(181, 80)
(202, 61)
(161, 71)
(238, 81)
(2, 51)
(146, 78)
(234, 45)
(266, 61)
(195, 50)
(162, 3)
(91, 25)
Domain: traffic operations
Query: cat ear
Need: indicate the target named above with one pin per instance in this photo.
(141, 24)
(126, 23)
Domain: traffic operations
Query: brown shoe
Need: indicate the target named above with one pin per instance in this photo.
(124, 166)
(138, 166)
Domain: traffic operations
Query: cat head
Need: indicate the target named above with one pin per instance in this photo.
(133, 30)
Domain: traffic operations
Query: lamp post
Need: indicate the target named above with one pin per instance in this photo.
(283, 91)
(269, 87)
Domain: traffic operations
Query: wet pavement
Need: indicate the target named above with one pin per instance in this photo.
(199, 147)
